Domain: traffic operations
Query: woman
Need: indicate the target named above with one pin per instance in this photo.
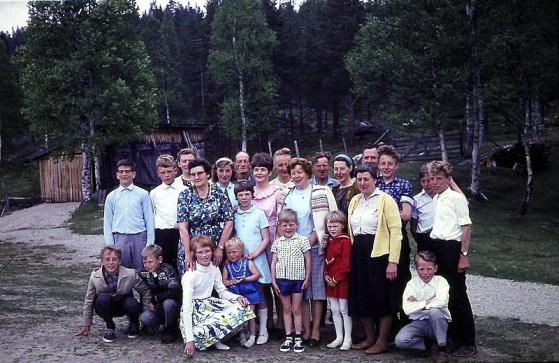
(343, 168)
(311, 203)
(376, 232)
(184, 157)
(203, 209)
(207, 320)
(281, 158)
(224, 176)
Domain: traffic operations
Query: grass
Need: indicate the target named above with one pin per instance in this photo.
(87, 219)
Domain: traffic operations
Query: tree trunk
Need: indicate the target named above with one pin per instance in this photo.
(86, 174)
(318, 119)
(350, 100)
(444, 153)
(241, 99)
(528, 126)
(468, 115)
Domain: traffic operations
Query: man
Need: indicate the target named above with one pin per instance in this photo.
(451, 234)
(128, 218)
(321, 169)
(242, 167)
(370, 155)
(164, 199)
(184, 157)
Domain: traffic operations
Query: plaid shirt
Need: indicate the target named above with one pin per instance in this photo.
(111, 281)
(399, 189)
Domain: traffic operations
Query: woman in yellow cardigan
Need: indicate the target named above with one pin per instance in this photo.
(375, 230)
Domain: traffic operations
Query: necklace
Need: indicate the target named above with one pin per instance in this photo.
(242, 266)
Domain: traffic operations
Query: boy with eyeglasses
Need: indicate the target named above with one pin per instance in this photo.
(128, 217)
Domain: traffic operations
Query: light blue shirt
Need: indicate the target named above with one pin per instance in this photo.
(230, 189)
(300, 202)
(330, 183)
(128, 211)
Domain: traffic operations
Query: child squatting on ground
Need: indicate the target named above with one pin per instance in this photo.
(240, 276)
(165, 288)
(425, 301)
(109, 294)
(291, 266)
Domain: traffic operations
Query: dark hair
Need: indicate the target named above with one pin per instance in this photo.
(203, 163)
(220, 163)
(363, 168)
(243, 186)
(424, 170)
(126, 162)
(388, 150)
(321, 154)
(262, 160)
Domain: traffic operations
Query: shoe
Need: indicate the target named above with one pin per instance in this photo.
(335, 344)
(377, 349)
(313, 343)
(362, 345)
(243, 337)
(442, 357)
(346, 346)
(287, 344)
(250, 342)
(465, 351)
(298, 346)
(262, 339)
(220, 346)
(132, 331)
(109, 336)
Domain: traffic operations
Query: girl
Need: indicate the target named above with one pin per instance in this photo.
(206, 320)
(336, 275)
(252, 227)
(241, 277)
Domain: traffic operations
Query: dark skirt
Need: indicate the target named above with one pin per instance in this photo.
(371, 294)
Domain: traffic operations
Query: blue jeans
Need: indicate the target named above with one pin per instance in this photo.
(166, 314)
(107, 308)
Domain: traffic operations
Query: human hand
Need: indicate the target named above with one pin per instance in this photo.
(391, 271)
(411, 298)
(189, 265)
(189, 349)
(429, 299)
(151, 307)
(305, 283)
(250, 256)
(276, 288)
(243, 301)
(463, 264)
(218, 256)
(85, 331)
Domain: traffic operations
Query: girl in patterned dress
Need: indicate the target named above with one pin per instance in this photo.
(240, 275)
(205, 320)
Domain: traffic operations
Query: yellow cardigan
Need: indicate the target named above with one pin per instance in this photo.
(388, 239)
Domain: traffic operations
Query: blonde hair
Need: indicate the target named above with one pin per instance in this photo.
(287, 215)
(154, 251)
(336, 216)
(235, 242)
(108, 249)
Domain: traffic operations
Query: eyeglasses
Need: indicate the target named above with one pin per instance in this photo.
(126, 171)
(197, 175)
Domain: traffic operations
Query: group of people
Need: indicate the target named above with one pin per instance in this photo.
(215, 247)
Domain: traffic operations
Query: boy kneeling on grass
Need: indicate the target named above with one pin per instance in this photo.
(425, 301)
(109, 293)
(165, 287)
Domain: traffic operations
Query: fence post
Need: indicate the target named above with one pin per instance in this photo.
(6, 199)
(296, 148)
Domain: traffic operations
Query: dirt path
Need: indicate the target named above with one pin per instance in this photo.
(45, 224)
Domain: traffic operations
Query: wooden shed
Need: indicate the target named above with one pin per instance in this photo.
(60, 178)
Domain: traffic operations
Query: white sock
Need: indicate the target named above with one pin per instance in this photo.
(263, 317)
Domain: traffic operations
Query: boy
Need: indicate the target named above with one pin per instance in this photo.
(425, 301)
(164, 199)
(109, 293)
(164, 284)
(252, 228)
(184, 157)
(291, 266)
(451, 233)
(421, 221)
(128, 217)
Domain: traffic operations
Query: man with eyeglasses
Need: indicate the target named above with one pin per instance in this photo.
(128, 218)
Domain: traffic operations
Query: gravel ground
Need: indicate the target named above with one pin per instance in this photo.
(46, 224)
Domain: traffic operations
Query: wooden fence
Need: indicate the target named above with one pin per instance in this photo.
(60, 179)
(427, 148)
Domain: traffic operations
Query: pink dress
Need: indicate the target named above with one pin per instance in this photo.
(267, 200)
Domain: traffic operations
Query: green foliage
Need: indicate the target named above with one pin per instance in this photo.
(87, 219)
(240, 62)
(86, 78)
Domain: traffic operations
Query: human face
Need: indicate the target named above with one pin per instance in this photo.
(152, 264)
(234, 254)
(427, 184)
(370, 157)
(125, 175)
(260, 174)
(366, 183)
(320, 168)
(299, 177)
(280, 164)
(441, 182)
(425, 270)
(342, 171)
(224, 174)
(335, 229)
(388, 166)
(110, 262)
(198, 176)
(167, 175)
(289, 228)
(245, 199)
(242, 163)
(183, 162)
(204, 256)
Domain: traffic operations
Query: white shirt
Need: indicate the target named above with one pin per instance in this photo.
(437, 287)
(164, 199)
(423, 211)
(364, 219)
(450, 210)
